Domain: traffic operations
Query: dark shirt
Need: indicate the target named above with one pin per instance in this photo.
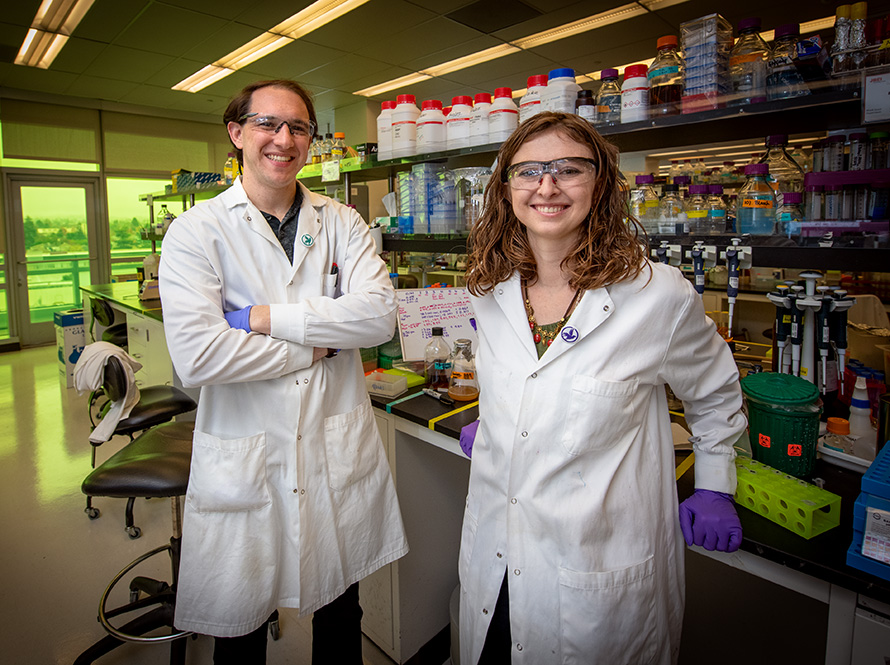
(286, 230)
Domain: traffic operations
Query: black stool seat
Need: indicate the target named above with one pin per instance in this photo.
(157, 404)
(116, 334)
(155, 464)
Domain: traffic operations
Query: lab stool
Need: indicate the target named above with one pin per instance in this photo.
(156, 464)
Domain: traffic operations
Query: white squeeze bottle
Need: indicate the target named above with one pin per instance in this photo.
(479, 119)
(384, 131)
(431, 127)
(457, 124)
(561, 91)
(404, 126)
(530, 104)
(503, 116)
(865, 437)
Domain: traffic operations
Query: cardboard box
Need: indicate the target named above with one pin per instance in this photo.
(70, 340)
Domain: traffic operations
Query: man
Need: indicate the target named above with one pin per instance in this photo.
(290, 499)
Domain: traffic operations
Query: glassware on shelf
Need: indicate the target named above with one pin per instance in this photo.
(470, 185)
(463, 386)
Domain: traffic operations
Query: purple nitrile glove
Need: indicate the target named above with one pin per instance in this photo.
(240, 318)
(467, 436)
(709, 519)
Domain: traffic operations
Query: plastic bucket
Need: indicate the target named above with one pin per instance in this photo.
(783, 421)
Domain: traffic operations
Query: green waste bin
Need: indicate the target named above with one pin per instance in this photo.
(783, 421)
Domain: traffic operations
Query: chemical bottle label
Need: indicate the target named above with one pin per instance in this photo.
(744, 59)
(652, 203)
(661, 71)
(491, 113)
(696, 214)
(717, 212)
(587, 112)
(757, 203)
(467, 376)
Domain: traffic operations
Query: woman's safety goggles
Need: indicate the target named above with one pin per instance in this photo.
(567, 171)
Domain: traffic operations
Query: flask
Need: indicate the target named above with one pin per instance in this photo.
(747, 65)
(327, 146)
(431, 127)
(839, 59)
(457, 124)
(865, 437)
(503, 116)
(697, 209)
(784, 173)
(315, 151)
(230, 171)
(585, 105)
(479, 119)
(338, 146)
(716, 210)
(783, 80)
(462, 386)
(756, 213)
(673, 170)
(530, 104)
(635, 94)
(608, 99)
(404, 126)
(644, 203)
(726, 173)
(384, 131)
(561, 91)
(671, 212)
(790, 215)
(666, 78)
(437, 366)
(161, 220)
(858, 41)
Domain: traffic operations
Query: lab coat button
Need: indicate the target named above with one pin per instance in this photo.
(305, 380)
(296, 491)
(299, 437)
(518, 647)
(484, 611)
(513, 500)
(535, 375)
(500, 292)
(525, 434)
(302, 492)
(516, 571)
(500, 556)
(605, 308)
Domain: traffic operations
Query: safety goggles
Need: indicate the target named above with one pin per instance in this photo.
(270, 124)
(567, 171)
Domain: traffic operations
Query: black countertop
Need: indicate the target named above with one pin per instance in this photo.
(822, 557)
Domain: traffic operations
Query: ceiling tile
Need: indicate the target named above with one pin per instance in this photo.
(425, 39)
(126, 64)
(92, 87)
(169, 30)
(176, 71)
(106, 18)
(374, 79)
(31, 78)
(225, 9)
(264, 14)
(524, 63)
(77, 55)
(294, 60)
(223, 41)
(340, 73)
(20, 13)
(443, 6)
(369, 23)
(452, 52)
(11, 38)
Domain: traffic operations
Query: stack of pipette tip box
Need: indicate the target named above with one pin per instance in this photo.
(870, 550)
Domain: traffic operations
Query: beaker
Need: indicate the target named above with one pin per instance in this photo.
(462, 386)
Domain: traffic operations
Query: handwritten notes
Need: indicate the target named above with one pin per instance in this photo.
(421, 309)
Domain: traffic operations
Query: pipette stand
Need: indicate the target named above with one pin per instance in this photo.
(810, 304)
(669, 254)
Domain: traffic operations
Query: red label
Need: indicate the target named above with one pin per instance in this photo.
(503, 111)
(763, 439)
(795, 450)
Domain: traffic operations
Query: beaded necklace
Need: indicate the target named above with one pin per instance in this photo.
(539, 333)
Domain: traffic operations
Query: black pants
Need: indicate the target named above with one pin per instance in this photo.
(336, 637)
(498, 643)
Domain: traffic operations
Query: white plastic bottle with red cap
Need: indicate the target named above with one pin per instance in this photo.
(503, 116)
(384, 131)
(479, 119)
(404, 126)
(530, 104)
(431, 127)
(635, 94)
(457, 124)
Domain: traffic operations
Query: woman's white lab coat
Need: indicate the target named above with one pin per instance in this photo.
(572, 486)
(290, 497)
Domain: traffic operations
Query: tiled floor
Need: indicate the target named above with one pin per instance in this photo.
(55, 561)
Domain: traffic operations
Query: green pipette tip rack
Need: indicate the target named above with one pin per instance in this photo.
(788, 501)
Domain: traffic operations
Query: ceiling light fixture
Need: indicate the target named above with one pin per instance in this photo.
(314, 16)
(52, 25)
(410, 79)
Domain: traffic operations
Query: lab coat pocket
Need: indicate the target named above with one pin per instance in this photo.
(600, 414)
(329, 286)
(610, 614)
(352, 446)
(228, 475)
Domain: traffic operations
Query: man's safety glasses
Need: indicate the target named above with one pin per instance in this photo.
(566, 171)
(269, 124)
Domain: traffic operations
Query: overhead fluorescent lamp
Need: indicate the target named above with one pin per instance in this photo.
(302, 23)
(478, 58)
(200, 80)
(52, 25)
(401, 82)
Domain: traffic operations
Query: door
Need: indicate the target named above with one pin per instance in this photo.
(56, 246)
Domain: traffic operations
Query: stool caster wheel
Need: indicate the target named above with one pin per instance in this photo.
(275, 629)
(134, 595)
(134, 532)
(92, 513)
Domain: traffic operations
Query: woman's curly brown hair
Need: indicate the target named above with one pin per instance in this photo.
(609, 247)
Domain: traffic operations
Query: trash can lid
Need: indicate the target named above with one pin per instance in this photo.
(783, 389)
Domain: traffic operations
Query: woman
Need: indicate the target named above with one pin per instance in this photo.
(571, 549)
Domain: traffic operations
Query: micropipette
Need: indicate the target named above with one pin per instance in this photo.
(839, 316)
(697, 253)
(796, 328)
(823, 333)
(732, 283)
(780, 299)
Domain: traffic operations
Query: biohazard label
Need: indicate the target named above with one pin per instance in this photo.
(795, 450)
(763, 440)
